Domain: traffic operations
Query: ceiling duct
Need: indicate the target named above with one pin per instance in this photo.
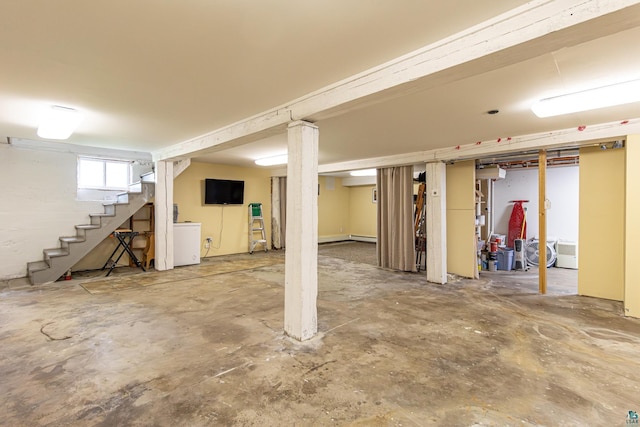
(491, 172)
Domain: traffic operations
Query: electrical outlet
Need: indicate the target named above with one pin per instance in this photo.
(208, 241)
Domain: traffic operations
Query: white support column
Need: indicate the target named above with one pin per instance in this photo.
(164, 215)
(436, 222)
(301, 255)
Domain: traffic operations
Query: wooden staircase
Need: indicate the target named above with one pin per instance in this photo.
(56, 261)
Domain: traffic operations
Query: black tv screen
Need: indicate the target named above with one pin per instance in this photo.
(223, 192)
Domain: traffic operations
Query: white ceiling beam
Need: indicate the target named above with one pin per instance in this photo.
(533, 20)
(279, 172)
(85, 150)
(245, 131)
(354, 181)
(180, 166)
(589, 135)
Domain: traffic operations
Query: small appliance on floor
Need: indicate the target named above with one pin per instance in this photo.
(519, 258)
(567, 254)
(532, 253)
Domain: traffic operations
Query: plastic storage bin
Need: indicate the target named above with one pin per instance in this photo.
(505, 259)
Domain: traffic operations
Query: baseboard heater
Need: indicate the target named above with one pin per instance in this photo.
(345, 238)
(368, 239)
(332, 239)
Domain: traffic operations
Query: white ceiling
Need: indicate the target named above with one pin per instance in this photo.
(150, 74)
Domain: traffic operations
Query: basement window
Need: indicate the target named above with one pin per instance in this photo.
(103, 174)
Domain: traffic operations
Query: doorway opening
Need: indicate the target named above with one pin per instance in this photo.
(510, 182)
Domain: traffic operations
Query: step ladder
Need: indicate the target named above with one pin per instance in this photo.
(256, 225)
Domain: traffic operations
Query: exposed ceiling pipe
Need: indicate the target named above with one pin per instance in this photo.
(533, 163)
(568, 156)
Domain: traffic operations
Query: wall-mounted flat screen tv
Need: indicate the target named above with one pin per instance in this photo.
(223, 192)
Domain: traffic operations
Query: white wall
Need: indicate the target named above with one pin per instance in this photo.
(562, 192)
(37, 204)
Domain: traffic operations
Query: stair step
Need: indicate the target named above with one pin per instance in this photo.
(136, 187)
(32, 267)
(55, 252)
(148, 177)
(101, 214)
(123, 198)
(87, 226)
(72, 239)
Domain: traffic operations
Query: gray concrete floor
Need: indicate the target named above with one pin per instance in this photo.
(203, 345)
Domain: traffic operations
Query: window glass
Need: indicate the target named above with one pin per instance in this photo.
(103, 174)
(91, 173)
(117, 175)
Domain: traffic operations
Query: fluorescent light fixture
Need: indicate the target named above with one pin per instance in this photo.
(606, 96)
(364, 172)
(59, 122)
(272, 161)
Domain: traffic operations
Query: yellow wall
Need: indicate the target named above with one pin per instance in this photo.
(632, 252)
(227, 225)
(601, 228)
(461, 240)
(333, 209)
(363, 212)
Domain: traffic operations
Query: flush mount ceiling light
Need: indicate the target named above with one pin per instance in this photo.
(363, 172)
(59, 122)
(606, 96)
(272, 161)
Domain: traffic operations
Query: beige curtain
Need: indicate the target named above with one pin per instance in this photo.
(278, 211)
(396, 239)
